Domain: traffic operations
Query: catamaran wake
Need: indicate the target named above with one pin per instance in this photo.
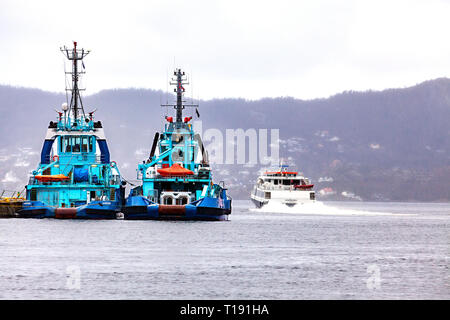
(319, 208)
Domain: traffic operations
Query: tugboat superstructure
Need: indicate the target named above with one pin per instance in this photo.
(282, 186)
(75, 177)
(175, 185)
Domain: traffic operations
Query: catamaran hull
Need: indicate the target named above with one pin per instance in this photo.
(97, 210)
(258, 204)
(288, 203)
(206, 209)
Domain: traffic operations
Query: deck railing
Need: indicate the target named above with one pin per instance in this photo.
(99, 158)
(11, 194)
(281, 188)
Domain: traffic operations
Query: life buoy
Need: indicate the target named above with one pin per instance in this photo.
(113, 164)
(55, 157)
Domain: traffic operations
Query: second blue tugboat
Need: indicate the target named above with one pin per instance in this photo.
(76, 178)
(175, 185)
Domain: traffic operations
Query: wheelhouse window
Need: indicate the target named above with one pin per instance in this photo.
(76, 144)
(63, 144)
(91, 143)
(84, 144)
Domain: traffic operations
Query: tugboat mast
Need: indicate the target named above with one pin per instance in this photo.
(180, 90)
(179, 80)
(75, 55)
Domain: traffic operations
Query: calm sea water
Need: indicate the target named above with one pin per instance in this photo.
(338, 251)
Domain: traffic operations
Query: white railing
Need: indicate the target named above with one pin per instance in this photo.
(281, 188)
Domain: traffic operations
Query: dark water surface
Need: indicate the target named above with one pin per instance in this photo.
(256, 255)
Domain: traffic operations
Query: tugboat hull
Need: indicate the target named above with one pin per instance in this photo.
(95, 210)
(206, 209)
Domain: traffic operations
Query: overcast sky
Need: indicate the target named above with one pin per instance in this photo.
(250, 49)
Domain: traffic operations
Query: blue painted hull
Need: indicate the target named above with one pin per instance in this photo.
(205, 209)
(94, 210)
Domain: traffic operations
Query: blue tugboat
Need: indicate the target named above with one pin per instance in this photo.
(177, 183)
(76, 178)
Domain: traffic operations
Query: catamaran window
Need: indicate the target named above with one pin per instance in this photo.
(84, 144)
(295, 182)
(275, 182)
(286, 182)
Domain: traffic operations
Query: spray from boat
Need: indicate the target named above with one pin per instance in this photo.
(318, 208)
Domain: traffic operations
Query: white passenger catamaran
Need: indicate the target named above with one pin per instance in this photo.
(283, 186)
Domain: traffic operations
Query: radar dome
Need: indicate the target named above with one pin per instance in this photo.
(65, 107)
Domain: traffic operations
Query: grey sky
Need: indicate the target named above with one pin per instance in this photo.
(250, 49)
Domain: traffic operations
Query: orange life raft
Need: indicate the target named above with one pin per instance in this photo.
(175, 170)
(52, 178)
